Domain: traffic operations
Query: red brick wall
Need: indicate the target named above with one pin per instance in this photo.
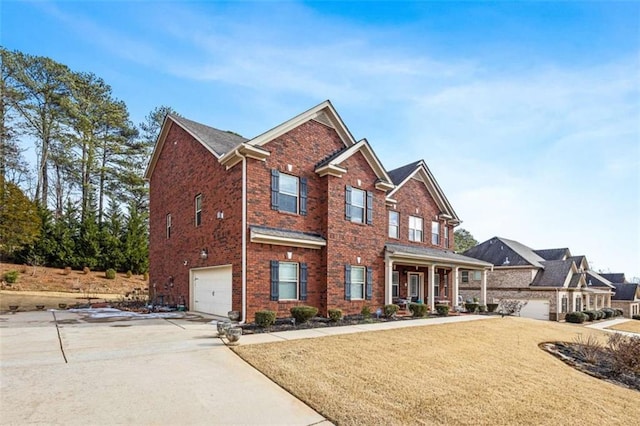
(414, 195)
(184, 169)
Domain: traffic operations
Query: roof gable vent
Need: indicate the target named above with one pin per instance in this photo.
(506, 261)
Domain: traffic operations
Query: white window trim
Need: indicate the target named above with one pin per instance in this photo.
(397, 226)
(297, 275)
(395, 283)
(355, 206)
(435, 235)
(290, 194)
(413, 222)
(364, 280)
(198, 209)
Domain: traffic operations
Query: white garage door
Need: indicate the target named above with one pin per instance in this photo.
(211, 290)
(536, 309)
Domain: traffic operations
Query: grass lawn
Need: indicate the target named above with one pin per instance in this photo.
(481, 372)
(632, 326)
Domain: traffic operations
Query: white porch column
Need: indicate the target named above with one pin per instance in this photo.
(388, 289)
(454, 290)
(432, 287)
(483, 288)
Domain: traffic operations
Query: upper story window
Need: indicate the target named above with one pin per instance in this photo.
(435, 233)
(169, 225)
(446, 237)
(288, 281)
(198, 205)
(394, 224)
(359, 205)
(415, 228)
(288, 193)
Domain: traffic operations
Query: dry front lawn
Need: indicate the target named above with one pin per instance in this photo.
(632, 326)
(481, 372)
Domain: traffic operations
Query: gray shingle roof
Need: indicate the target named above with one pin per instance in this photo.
(285, 233)
(625, 291)
(220, 141)
(401, 173)
(552, 254)
(503, 252)
(554, 274)
(595, 280)
(434, 253)
(615, 278)
(331, 157)
(578, 260)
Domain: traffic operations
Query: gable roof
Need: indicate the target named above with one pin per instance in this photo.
(595, 280)
(615, 278)
(216, 141)
(331, 165)
(626, 291)
(420, 170)
(580, 261)
(555, 274)
(503, 252)
(323, 113)
(554, 253)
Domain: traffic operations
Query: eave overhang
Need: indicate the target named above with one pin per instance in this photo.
(243, 150)
(266, 237)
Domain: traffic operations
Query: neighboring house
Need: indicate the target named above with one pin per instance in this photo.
(551, 281)
(301, 214)
(627, 298)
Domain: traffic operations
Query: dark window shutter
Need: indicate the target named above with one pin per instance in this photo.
(303, 196)
(347, 282)
(347, 203)
(275, 277)
(369, 284)
(303, 281)
(275, 188)
(369, 208)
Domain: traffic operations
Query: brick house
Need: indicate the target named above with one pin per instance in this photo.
(551, 281)
(301, 214)
(627, 295)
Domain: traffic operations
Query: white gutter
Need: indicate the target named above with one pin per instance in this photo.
(244, 240)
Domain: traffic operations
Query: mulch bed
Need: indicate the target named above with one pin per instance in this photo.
(599, 366)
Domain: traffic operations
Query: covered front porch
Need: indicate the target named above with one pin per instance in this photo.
(428, 275)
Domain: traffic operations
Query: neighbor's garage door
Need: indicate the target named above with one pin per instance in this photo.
(211, 290)
(536, 309)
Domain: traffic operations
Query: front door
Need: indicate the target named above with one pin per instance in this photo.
(414, 286)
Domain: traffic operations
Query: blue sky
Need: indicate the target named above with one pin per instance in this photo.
(527, 113)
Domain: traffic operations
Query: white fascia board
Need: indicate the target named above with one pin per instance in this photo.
(310, 114)
(331, 169)
(440, 260)
(371, 158)
(257, 237)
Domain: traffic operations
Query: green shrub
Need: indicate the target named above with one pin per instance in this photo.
(619, 312)
(366, 312)
(390, 311)
(145, 276)
(11, 276)
(576, 317)
(599, 314)
(110, 274)
(591, 315)
(303, 313)
(471, 306)
(443, 310)
(335, 315)
(418, 310)
(129, 274)
(482, 308)
(636, 317)
(491, 307)
(86, 270)
(265, 318)
(608, 312)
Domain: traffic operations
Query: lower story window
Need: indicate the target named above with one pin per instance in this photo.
(357, 282)
(565, 306)
(395, 284)
(288, 281)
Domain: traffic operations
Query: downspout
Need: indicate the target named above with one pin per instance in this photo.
(244, 240)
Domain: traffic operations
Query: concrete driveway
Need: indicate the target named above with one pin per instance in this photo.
(134, 372)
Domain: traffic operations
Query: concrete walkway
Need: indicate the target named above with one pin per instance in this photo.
(603, 326)
(142, 372)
